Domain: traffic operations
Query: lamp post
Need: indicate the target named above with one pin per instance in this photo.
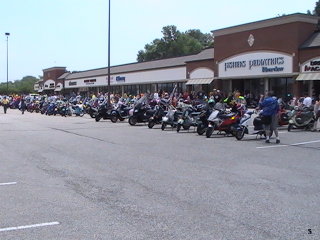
(7, 34)
(109, 88)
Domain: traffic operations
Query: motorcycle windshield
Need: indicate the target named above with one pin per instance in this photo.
(213, 115)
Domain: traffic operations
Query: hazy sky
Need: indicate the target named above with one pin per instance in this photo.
(73, 33)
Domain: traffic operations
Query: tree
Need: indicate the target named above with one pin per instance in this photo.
(174, 44)
(23, 86)
(316, 10)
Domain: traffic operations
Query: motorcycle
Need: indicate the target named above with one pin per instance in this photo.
(203, 118)
(141, 112)
(222, 121)
(249, 126)
(171, 118)
(189, 117)
(301, 119)
(51, 109)
(121, 112)
(104, 111)
(160, 112)
(78, 110)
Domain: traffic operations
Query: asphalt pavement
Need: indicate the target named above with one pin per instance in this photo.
(71, 178)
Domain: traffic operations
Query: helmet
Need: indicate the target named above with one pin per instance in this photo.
(211, 101)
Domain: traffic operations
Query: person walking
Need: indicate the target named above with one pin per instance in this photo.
(5, 104)
(23, 105)
(270, 108)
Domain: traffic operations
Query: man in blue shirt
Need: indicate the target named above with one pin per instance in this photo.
(270, 108)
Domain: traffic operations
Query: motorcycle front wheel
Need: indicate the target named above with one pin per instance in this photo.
(98, 118)
(209, 131)
(201, 129)
(239, 134)
(151, 123)
(132, 120)
(178, 127)
(186, 127)
(114, 118)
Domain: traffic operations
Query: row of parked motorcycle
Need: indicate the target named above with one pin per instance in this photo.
(205, 117)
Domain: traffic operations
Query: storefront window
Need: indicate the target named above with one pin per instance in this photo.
(166, 87)
(281, 87)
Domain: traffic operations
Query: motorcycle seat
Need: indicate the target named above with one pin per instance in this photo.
(224, 116)
(194, 114)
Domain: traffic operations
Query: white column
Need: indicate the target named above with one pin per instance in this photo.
(266, 85)
(310, 89)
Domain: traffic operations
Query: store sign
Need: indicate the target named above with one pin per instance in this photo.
(89, 81)
(120, 79)
(311, 66)
(255, 64)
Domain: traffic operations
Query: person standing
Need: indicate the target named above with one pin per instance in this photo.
(316, 114)
(307, 101)
(5, 104)
(270, 108)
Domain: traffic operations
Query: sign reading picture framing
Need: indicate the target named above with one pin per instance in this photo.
(256, 64)
(311, 66)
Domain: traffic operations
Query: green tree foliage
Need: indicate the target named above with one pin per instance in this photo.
(23, 86)
(175, 43)
(316, 10)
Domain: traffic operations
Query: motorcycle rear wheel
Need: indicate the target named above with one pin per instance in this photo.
(93, 114)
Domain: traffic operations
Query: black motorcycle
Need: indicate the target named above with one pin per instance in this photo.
(104, 112)
(121, 112)
(203, 119)
(160, 112)
(141, 113)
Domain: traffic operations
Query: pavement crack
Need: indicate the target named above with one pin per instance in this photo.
(82, 135)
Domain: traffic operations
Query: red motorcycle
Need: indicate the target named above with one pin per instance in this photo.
(221, 121)
(283, 117)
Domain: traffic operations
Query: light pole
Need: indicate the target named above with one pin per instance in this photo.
(7, 34)
(109, 88)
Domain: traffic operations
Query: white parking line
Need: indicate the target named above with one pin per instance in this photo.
(28, 226)
(8, 183)
(294, 144)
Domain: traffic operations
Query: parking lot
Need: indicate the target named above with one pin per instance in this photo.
(74, 178)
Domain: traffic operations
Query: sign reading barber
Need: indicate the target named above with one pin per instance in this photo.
(256, 64)
(311, 66)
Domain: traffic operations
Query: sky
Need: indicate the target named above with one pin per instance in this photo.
(74, 33)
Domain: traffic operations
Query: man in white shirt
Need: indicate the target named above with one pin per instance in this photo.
(307, 101)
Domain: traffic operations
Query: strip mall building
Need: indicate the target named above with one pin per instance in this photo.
(280, 54)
